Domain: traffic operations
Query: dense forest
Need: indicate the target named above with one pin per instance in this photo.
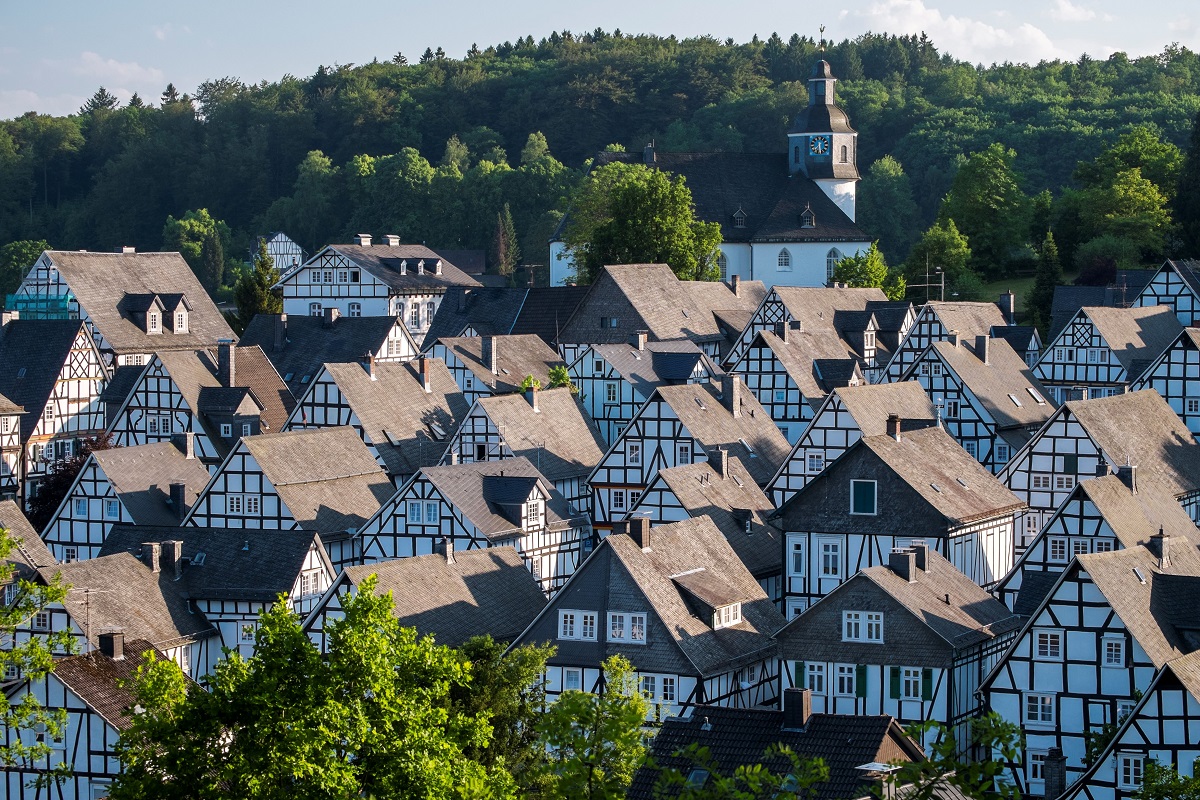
(432, 148)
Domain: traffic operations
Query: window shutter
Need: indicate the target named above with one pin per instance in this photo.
(860, 680)
(894, 680)
(800, 679)
(927, 684)
(1071, 464)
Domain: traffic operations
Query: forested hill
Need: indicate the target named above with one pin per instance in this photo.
(365, 147)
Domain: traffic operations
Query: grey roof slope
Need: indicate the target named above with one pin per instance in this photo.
(817, 361)
(126, 595)
(1004, 374)
(488, 591)
(224, 563)
(9, 407)
(659, 364)
(100, 282)
(122, 383)
(475, 491)
(560, 438)
(31, 553)
(516, 357)
(966, 318)
(309, 343)
(1067, 300)
(397, 414)
(141, 476)
(383, 261)
(547, 309)
(327, 478)
(751, 436)
(32, 355)
(104, 684)
(491, 311)
(1135, 335)
(871, 404)
(195, 372)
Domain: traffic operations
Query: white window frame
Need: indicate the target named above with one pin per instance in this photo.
(830, 548)
(1112, 652)
(1131, 770)
(846, 675)
(112, 508)
(618, 500)
(911, 685)
(70, 553)
(668, 689)
(815, 462)
(1040, 483)
(1193, 405)
(413, 512)
(1047, 644)
(874, 498)
(797, 557)
(1056, 549)
(1045, 714)
(684, 453)
(574, 625)
(80, 507)
(610, 392)
(226, 430)
(727, 616)
(233, 504)
(568, 674)
(355, 310)
(862, 626)
(633, 453)
(247, 632)
(814, 678)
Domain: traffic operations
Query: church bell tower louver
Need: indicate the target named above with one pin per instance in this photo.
(821, 144)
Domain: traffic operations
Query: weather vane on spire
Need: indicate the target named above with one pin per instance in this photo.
(822, 48)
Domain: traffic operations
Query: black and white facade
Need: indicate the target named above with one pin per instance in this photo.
(935, 322)
(1175, 374)
(1175, 285)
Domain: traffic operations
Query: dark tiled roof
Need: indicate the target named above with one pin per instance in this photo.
(1135, 335)
(141, 477)
(1121, 293)
(256, 565)
(1004, 374)
(383, 261)
(104, 684)
(871, 404)
(547, 309)
(516, 358)
(472, 262)
(30, 554)
(491, 311)
(1034, 588)
(1020, 338)
(488, 591)
(659, 364)
(101, 281)
(122, 383)
(32, 355)
(560, 438)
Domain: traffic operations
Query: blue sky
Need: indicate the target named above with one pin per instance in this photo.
(54, 53)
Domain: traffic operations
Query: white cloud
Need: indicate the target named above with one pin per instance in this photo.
(117, 72)
(1066, 11)
(1181, 24)
(15, 102)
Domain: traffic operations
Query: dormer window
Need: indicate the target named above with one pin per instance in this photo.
(727, 616)
(421, 267)
(153, 322)
(739, 219)
(535, 515)
(807, 219)
(403, 267)
(181, 322)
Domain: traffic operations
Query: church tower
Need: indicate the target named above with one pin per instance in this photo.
(821, 144)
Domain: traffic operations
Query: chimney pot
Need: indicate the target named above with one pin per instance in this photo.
(893, 426)
(364, 239)
(903, 562)
(797, 708)
(1128, 476)
(1054, 769)
(151, 555)
(983, 348)
(112, 644)
(368, 364)
(639, 531)
(172, 556)
(226, 363)
(952, 338)
(637, 340)
(781, 330)
(1008, 307)
(128, 250)
(445, 548)
(722, 465)
(1160, 546)
(185, 443)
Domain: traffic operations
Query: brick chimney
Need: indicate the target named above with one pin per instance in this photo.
(445, 548)
(637, 340)
(893, 426)
(531, 395)
(112, 644)
(797, 708)
(330, 316)
(721, 462)
(1128, 476)
(185, 443)
(226, 366)
(1160, 546)
(280, 339)
(491, 354)
(903, 562)
(179, 499)
(639, 531)
(151, 555)
(363, 239)
(423, 367)
(731, 394)
(1055, 772)
(983, 348)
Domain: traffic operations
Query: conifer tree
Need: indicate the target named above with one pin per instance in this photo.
(1049, 275)
(1187, 198)
(253, 293)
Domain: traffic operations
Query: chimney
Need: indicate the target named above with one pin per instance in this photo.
(423, 366)
(1128, 476)
(172, 557)
(403, 266)
(179, 499)
(781, 330)
(363, 239)
(437, 267)
(330, 316)
(637, 340)
(952, 338)
(620, 526)
(1102, 466)
(112, 644)
(445, 549)
(921, 551)
(392, 239)
(722, 463)
(462, 301)
(368, 363)
(491, 356)
(639, 531)
(151, 552)
(226, 366)
(1008, 307)
(185, 443)
(893, 426)
(127, 250)
(1054, 770)
(648, 154)
(8, 316)
(983, 348)
(1160, 546)
(531, 395)
(797, 708)
(903, 562)
(735, 283)
(731, 394)
(280, 332)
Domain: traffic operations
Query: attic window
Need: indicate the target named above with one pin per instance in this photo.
(748, 447)
(181, 321)
(1138, 573)
(439, 432)
(1041, 401)
(962, 482)
(306, 379)
(287, 378)
(21, 372)
(807, 219)
(936, 488)
(1016, 402)
(198, 559)
(727, 616)
(739, 219)
(700, 403)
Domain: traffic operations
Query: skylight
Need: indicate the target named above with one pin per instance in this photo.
(1013, 397)
(1041, 401)
(700, 403)
(1138, 573)
(936, 488)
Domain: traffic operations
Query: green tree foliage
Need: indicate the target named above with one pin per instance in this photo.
(978, 779)
(595, 740)
(58, 480)
(632, 214)
(869, 269)
(506, 250)
(1165, 783)
(987, 204)
(1187, 197)
(1143, 149)
(15, 260)
(560, 377)
(212, 260)
(202, 242)
(1131, 208)
(33, 657)
(253, 293)
(801, 779)
(942, 252)
(886, 209)
(1049, 276)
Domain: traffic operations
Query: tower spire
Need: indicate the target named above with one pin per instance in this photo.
(822, 45)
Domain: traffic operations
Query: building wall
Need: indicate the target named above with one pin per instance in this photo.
(1176, 376)
(1080, 364)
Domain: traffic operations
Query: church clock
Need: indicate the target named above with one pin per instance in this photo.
(818, 145)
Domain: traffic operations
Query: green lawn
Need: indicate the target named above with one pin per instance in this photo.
(1023, 286)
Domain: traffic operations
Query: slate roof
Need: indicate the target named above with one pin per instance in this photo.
(32, 355)
(491, 311)
(1004, 374)
(967, 319)
(383, 261)
(141, 476)
(101, 281)
(1067, 300)
(488, 591)
(547, 309)
(871, 404)
(752, 436)
(560, 438)
(398, 415)
(659, 364)
(122, 383)
(309, 344)
(124, 594)
(104, 684)
(467, 487)
(31, 553)
(1136, 336)
(9, 407)
(1021, 338)
(740, 737)
(818, 361)
(516, 358)
(472, 262)
(327, 478)
(226, 564)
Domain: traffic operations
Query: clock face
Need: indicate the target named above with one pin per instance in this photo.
(819, 145)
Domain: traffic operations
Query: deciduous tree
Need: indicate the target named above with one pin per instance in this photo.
(886, 209)
(942, 250)
(987, 204)
(1187, 197)
(15, 260)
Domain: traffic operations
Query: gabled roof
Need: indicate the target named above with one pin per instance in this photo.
(547, 309)
(817, 361)
(104, 684)
(516, 358)
(309, 343)
(1121, 293)
(32, 355)
(1020, 338)
(194, 373)
(1187, 268)
(141, 476)
(122, 383)
(31, 553)
(967, 319)
(327, 478)
(994, 384)
(226, 564)
(408, 426)
(500, 311)
(871, 404)
(384, 262)
(659, 364)
(9, 407)
(120, 592)
(1135, 335)
(1188, 339)
(1136, 516)
(488, 591)
(560, 437)
(100, 281)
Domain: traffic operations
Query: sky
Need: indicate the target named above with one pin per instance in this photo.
(55, 53)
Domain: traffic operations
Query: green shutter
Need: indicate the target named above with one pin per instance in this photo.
(927, 684)
(894, 680)
(1071, 465)
(860, 680)
(800, 679)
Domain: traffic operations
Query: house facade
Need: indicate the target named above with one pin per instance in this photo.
(1175, 285)
(1175, 375)
(935, 322)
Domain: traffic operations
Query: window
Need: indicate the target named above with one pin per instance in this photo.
(816, 463)
(862, 497)
(577, 625)
(1058, 549)
(725, 616)
(784, 261)
(343, 276)
(314, 310)
(862, 626)
(796, 563)
(668, 690)
(245, 429)
(831, 559)
(780, 395)
(253, 503)
(626, 627)
(414, 316)
(316, 276)
(618, 500)
(816, 678)
(185, 660)
(1039, 709)
(1041, 481)
(610, 392)
(248, 631)
(112, 509)
(432, 513)
(10, 593)
(972, 448)
(1129, 770)
(1193, 405)
(1036, 765)
(48, 412)
(414, 513)
(308, 584)
(152, 322)
(1103, 546)
(1124, 709)
(844, 154)
(925, 368)
(831, 261)
(739, 217)
(1079, 547)
(356, 309)
(684, 453)
(80, 506)
(572, 680)
(41, 621)
(807, 220)
(70, 553)
(233, 504)
(328, 276)
(723, 266)
(935, 369)
(354, 276)
(1062, 482)
(910, 683)
(952, 409)
(226, 429)
(1002, 453)
(649, 687)
(181, 322)
(1114, 652)
(633, 452)
(430, 311)
(1047, 645)
(846, 683)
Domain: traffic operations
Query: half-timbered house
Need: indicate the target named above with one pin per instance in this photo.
(1023, 339)
(847, 414)
(1127, 284)
(1175, 285)
(1093, 644)
(299, 345)
(11, 460)
(476, 506)
(550, 428)
(484, 366)
(505, 311)
(150, 484)
(1137, 428)
(935, 322)
(676, 601)
(464, 593)
(887, 492)
(986, 396)
(372, 280)
(232, 576)
(615, 380)
(679, 425)
(52, 369)
(28, 555)
(284, 252)
(1175, 374)
(405, 413)
(1102, 350)
(911, 638)
(133, 304)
